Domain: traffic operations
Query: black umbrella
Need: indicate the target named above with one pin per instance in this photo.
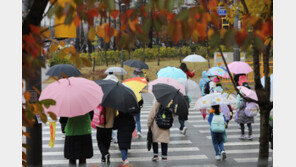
(118, 96)
(67, 69)
(149, 139)
(136, 64)
(165, 93)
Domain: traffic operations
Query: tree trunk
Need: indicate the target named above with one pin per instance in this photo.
(208, 55)
(158, 55)
(144, 53)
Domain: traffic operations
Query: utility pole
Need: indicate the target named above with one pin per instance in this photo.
(236, 50)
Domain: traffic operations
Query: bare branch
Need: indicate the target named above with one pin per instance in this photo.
(245, 6)
(231, 78)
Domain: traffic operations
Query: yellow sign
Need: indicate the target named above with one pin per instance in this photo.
(65, 31)
(52, 128)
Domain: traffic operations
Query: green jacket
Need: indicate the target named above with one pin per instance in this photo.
(80, 125)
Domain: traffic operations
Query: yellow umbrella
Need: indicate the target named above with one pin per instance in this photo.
(137, 84)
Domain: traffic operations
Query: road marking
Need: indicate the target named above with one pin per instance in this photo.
(210, 165)
(244, 151)
(236, 136)
(246, 143)
(243, 160)
(229, 125)
(133, 143)
(230, 130)
(97, 152)
(59, 138)
(131, 159)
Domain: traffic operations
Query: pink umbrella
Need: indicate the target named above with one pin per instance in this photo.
(168, 81)
(238, 67)
(248, 92)
(74, 96)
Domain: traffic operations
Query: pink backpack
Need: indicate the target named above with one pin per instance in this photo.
(99, 116)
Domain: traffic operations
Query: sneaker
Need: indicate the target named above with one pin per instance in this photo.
(184, 130)
(139, 134)
(242, 137)
(107, 157)
(155, 158)
(125, 162)
(103, 160)
(223, 155)
(218, 157)
(165, 159)
(250, 137)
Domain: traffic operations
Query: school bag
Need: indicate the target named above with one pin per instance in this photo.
(207, 88)
(164, 118)
(218, 123)
(99, 116)
(251, 109)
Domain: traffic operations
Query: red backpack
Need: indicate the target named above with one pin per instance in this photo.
(99, 116)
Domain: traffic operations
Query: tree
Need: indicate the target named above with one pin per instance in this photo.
(197, 23)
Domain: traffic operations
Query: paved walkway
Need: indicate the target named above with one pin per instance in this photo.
(195, 149)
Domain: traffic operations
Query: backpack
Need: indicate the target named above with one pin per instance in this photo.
(218, 123)
(99, 115)
(251, 109)
(164, 118)
(207, 88)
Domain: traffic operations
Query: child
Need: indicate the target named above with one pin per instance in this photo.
(217, 122)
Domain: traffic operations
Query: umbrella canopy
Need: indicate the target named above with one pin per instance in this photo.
(207, 101)
(216, 71)
(137, 84)
(67, 69)
(194, 58)
(192, 88)
(118, 96)
(166, 94)
(248, 92)
(271, 85)
(116, 71)
(239, 67)
(171, 72)
(73, 96)
(169, 81)
(136, 64)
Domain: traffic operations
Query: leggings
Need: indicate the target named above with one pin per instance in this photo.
(243, 128)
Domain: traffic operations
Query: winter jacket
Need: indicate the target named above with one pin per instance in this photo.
(203, 81)
(110, 115)
(125, 124)
(159, 135)
(241, 116)
(80, 125)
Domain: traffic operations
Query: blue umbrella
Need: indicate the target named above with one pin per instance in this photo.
(219, 71)
(171, 72)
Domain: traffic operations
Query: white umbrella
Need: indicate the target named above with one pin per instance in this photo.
(192, 89)
(194, 58)
(116, 71)
(207, 101)
(271, 85)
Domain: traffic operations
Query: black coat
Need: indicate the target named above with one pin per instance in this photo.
(125, 124)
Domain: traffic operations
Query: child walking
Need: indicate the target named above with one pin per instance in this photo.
(217, 123)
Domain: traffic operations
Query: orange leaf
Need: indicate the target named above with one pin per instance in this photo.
(240, 36)
(212, 4)
(267, 28)
(91, 34)
(34, 29)
(197, 16)
(114, 14)
(27, 96)
(53, 48)
(170, 16)
(210, 32)
(177, 31)
(77, 21)
(194, 36)
(129, 12)
(100, 31)
(133, 24)
(62, 43)
(202, 30)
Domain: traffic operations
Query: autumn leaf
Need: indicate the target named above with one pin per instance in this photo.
(77, 21)
(194, 36)
(177, 31)
(212, 4)
(54, 47)
(91, 34)
(114, 14)
(202, 30)
(27, 96)
(52, 115)
(47, 102)
(210, 32)
(132, 24)
(129, 12)
(100, 31)
(86, 61)
(240, 36)
(34, 29)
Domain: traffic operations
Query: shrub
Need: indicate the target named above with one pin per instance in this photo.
(54, 60)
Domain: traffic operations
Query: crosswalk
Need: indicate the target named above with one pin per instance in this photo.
(183, 150)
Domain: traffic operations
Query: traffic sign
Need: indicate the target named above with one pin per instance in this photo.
(222, 12)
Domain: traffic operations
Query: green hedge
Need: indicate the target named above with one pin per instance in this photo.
(114, 57)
